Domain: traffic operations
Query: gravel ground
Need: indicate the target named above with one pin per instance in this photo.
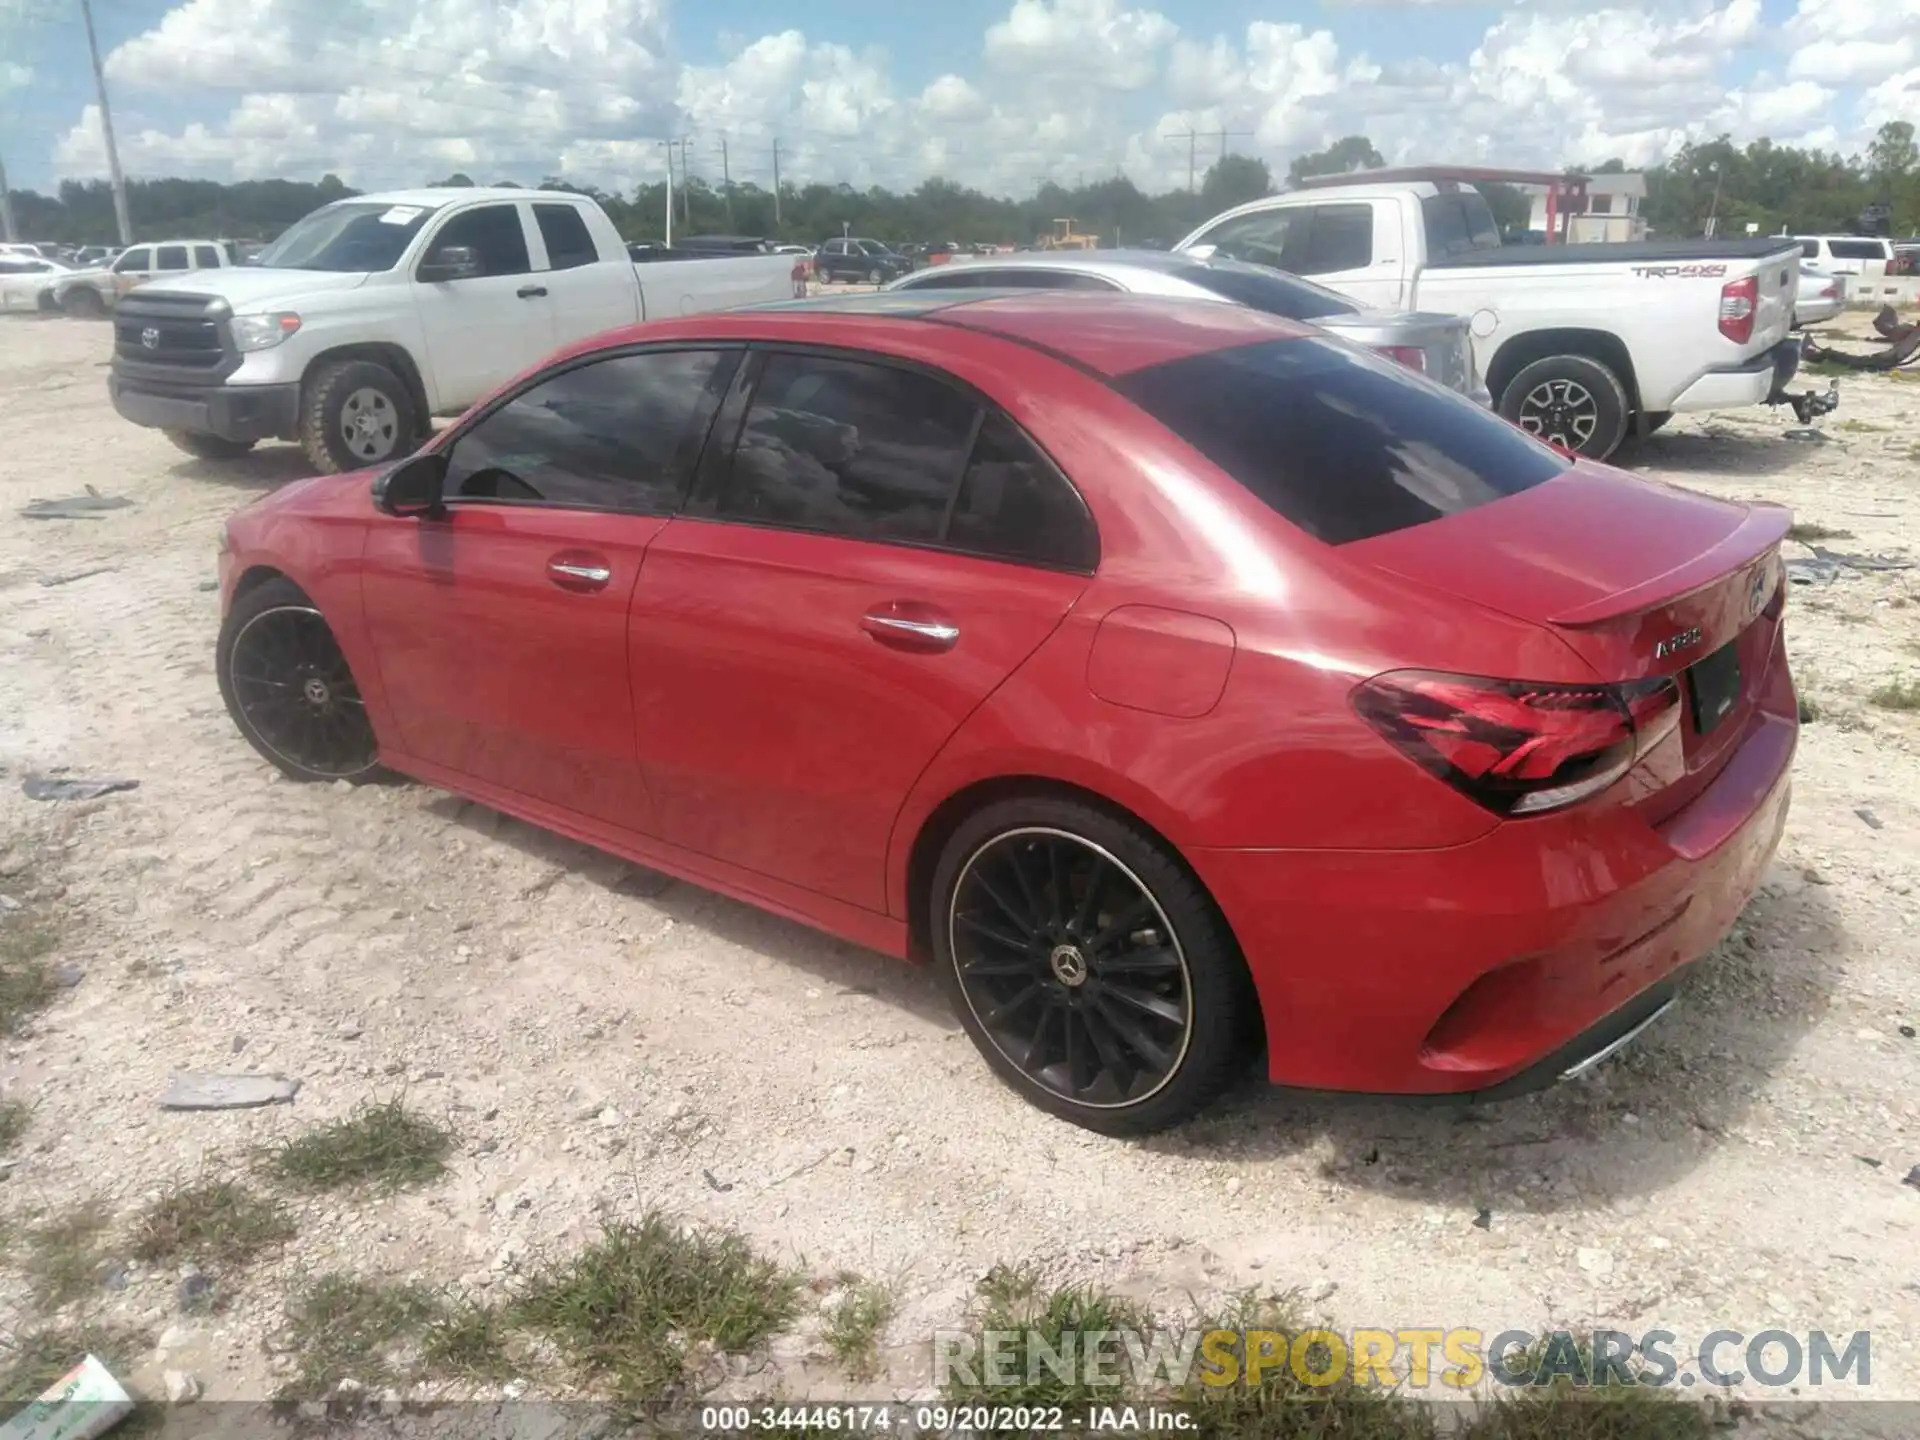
(600, 1037)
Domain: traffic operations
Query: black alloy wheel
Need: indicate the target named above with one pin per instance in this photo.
(1071, 967)
(287, 686)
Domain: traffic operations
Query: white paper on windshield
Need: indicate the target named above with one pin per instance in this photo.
(401, 215)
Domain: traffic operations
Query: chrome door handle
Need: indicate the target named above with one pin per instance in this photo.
(598, 574)
(908, 633)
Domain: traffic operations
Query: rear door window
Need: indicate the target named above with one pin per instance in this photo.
(206, 257)
(871, 452)
(1014, 505)
(171, 257)
(568, 243)
(1341, 239)
(1340, 443)
(1858, 249)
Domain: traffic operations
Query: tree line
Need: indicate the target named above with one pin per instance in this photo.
(1772, 187)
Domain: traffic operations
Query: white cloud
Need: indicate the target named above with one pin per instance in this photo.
(396, 91)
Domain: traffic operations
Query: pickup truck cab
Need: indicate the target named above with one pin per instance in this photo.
(1581, 344)
(372, 315)
(100, 289)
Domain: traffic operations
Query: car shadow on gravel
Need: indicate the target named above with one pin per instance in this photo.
(266, 468)
(1714, 451)
(835, 965)
(1631, 1127)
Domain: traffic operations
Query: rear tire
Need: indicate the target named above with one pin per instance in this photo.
(1569, 400)
(208, 447)
(288, 688)
(874, 277)
(356, 414)
(1141, 1011)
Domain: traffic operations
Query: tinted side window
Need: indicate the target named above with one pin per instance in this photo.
(494, 234)
(617, 434)
(1271, 291)
(867, 451)
(568, 243)
(1810, 249)
(1446, 225)
(1341, 239)
(1260, 238)
(948, 277)
(171, 257)
(1341, 443)
(205, 257)
(1857, 249)
(1013, 505)
(133, 260)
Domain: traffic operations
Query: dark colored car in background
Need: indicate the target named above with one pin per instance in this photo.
(860, 261)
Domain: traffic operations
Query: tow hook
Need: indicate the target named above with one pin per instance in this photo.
(1809, 405)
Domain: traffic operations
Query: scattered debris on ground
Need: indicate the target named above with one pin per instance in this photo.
(227, 1092)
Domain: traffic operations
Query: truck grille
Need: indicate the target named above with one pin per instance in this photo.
(169, 330)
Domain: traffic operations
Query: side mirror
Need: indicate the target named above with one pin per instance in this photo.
(450, 262)
(411, 489)
(1201, 252)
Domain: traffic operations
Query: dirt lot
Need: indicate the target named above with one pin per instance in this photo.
(603, 1041)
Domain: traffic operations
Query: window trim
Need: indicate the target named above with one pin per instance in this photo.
(546, 249)
(715, 467)
(445, 442)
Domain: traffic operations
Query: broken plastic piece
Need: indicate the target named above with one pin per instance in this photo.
(227, 1092)
(47, 787)
(83, 1403)
(73, 507)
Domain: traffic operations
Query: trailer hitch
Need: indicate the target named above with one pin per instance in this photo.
(1809, 405)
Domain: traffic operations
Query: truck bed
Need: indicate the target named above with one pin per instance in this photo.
(1622, 252)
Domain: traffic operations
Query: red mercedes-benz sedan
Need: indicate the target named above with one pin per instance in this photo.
(1177, 680)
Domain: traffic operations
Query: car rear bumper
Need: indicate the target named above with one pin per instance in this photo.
(233, 412)
(1500, 964)
(1749, 383)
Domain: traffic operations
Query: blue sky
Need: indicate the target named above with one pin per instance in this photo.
(997, 94)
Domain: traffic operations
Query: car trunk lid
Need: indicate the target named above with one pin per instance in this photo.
(1636, 578)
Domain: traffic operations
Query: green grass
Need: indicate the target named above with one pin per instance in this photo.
(381, 1146)
(32, 1360)
(15, 1117)
(1014, 1299)
(855, 1322)
(342, 1327)
(629, 1309)
(1897, 695)
(1808, 531)
(216, 1221)
(61, 1256)
(469, 1341)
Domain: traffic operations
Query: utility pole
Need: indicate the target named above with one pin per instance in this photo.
(686, 183)
(1223, 136)
(7, 231)
(726, 182)
(106, 131)
(776, 185)
(667, 145)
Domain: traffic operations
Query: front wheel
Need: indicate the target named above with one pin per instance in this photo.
(355, 414)
(288, 688)
(208, 447)
(1572, 401)
(1091, 970)
(84, 301)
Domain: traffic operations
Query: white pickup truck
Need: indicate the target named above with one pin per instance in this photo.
(1580, 344)
(372, 315)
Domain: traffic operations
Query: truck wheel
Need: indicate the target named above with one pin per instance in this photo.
(208, 447)
(1570, 400)
(84, 301)
(874, 277)
(356, 414)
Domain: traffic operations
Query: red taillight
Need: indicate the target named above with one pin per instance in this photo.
(1832, 292)
(1411, 356)
(1739, 301)
(1519, 747)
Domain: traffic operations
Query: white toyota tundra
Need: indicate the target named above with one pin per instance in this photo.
(372, 315)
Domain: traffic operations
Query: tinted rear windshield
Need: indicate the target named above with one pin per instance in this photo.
(1342, 444)
(1271, 291)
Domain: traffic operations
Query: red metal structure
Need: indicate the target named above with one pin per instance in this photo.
(1174, 678)
(1566, 193)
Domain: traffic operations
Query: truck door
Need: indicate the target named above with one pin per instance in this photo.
(483, 329)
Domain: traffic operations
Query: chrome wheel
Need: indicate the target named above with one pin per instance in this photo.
(369, 424)
(1071, 967)
(1563, 412)
(291, 688)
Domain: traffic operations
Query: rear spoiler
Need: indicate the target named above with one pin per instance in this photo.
(1764, 527)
